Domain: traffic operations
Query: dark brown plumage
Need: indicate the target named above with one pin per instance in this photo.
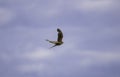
(60, 35)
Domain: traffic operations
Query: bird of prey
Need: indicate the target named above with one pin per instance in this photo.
(59, 39)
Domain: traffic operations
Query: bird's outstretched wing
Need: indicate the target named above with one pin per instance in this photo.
(53, 46)
(53, 42)
(60, 35)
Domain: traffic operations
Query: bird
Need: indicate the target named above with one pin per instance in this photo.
(59, 39)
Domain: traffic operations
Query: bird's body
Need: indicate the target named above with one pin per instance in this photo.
(59, 39)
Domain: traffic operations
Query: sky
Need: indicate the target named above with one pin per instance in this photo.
(91, 30)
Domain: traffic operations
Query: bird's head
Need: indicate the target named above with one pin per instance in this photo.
(58, 30)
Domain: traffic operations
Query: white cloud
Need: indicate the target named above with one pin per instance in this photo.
(38, 54)
(36, 10)
(92, 5)
(91, 58)
(95, 5)
(85, 60)
(35, 60)
(31, 67)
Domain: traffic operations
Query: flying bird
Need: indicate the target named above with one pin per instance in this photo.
(59, 39)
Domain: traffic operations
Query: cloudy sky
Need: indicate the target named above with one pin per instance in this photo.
(91, 38)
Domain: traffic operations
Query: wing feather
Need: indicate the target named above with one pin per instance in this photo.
(60, 36)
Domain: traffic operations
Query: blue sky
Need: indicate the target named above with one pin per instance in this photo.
(91, 38)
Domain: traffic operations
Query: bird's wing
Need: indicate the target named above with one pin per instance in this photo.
(53, 46)
(53, 42)
(60, 36)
